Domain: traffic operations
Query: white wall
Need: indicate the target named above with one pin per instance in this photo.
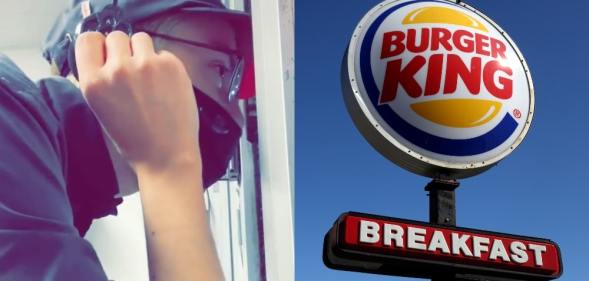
(119, 242)
(24, 23)
(29, 59)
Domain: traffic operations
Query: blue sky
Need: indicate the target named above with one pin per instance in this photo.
(539, 190)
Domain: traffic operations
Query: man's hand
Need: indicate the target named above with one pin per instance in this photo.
(143, 99)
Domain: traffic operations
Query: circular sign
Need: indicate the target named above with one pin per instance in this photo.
(437, 87)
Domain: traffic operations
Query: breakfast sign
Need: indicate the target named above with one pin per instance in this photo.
(383, 245)
(442, 91)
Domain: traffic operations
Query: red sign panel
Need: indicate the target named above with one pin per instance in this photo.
(365, 237)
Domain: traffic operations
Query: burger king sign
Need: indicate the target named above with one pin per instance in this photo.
(437, 87)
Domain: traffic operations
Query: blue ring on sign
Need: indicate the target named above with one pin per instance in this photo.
(440, 145)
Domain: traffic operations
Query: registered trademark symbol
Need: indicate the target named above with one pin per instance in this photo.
(517, 113)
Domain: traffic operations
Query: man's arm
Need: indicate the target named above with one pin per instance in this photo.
(145, 103)
(180, 246)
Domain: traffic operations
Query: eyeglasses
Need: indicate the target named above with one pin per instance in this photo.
(230, 78)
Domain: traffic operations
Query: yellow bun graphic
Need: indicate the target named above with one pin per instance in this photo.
(458, 113)
(442, 15)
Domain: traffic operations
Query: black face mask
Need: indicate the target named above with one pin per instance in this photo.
(218, 136)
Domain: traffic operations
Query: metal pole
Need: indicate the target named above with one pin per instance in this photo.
(442, 201)
(442, 210)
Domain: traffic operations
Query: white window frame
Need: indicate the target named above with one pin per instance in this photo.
(273, 32)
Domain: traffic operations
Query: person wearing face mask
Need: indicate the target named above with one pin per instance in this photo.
(156, 111)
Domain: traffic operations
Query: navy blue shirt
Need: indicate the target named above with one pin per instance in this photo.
(55, 178)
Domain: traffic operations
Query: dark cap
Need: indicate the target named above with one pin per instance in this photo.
(56, 45)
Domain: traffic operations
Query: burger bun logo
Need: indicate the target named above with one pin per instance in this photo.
(437, 87)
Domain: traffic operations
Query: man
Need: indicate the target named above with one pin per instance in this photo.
(59, 171)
